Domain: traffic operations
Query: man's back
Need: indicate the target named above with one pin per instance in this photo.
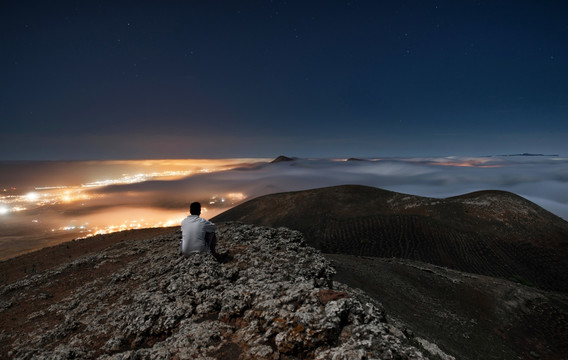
(193, 234)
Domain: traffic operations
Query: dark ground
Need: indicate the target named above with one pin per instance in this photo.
(49, 257)
(468, 316)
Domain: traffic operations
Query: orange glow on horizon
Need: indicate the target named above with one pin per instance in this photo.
(468, 163)
(73, 209)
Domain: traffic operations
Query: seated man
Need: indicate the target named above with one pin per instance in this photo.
(197, 234)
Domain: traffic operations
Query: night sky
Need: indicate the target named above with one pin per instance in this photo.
(195, 79)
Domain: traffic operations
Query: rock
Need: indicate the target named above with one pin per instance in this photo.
(272, 298)
(327, 295)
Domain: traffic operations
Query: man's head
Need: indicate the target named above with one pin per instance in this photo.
(195, 208)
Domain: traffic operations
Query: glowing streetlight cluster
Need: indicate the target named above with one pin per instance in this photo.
(52, 195)
(137, 178)
(88, 230)
(32, 196)
(129, 225)
(229, 198)
(42, 197)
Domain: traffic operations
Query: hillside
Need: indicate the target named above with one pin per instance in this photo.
(130, 295)
(491, 233)
(272, 297)
(468, 316)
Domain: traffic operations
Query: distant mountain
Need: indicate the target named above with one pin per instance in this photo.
(282, 158)
(526, 154)
(492, 233)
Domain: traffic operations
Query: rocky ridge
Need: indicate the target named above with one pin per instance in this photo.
(271, 298)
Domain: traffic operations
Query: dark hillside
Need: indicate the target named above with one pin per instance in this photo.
(492, 233)
(469, 316)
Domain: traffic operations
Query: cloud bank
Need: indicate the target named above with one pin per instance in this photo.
(541, 179)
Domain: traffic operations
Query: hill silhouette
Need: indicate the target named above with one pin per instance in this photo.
(492, 233)
(282, 158)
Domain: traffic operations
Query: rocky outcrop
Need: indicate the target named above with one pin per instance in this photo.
(272, 297)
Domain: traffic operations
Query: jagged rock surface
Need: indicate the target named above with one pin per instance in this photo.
(271, 299)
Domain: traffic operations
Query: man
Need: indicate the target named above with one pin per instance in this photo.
(197, 234)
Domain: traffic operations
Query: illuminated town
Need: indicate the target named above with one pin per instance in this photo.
(23, 206)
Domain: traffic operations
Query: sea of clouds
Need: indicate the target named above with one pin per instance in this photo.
(541, 179)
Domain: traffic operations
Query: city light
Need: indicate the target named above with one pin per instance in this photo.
(137, 178)
(33, 196)
(236, 196)
(4, 210)
(126, 225)
(479, 163)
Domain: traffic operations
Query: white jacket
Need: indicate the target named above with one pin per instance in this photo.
(193, 230)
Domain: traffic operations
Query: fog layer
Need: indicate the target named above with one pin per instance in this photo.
(543, 180)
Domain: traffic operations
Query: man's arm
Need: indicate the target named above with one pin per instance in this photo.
(209, 227)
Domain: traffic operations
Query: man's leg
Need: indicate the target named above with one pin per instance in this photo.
(211, 241)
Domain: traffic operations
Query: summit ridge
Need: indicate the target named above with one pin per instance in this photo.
(272, 298)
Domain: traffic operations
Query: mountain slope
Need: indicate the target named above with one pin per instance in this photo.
(492, 233)
(139, 299)
(469, 316)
